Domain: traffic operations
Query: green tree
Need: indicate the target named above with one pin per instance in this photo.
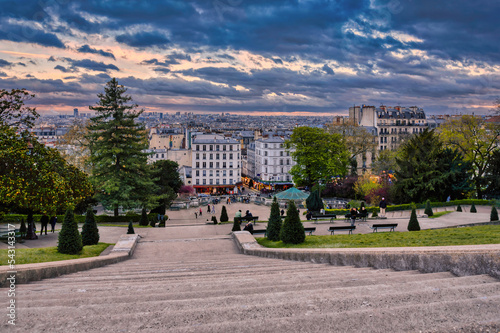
(428, 208)
(13, 112)
(476, 139)
(319, 155)
(223, 215)
(144, 218)
(69, 239)
(116, 142)
(130, 230)
(90, 232)
(493, 175)
(473, 208)
(493, 214)
(274, 223)
(413, 225)
(236, 224)
(168, 183)
(314, 202)
(459, 208)
(292, 231)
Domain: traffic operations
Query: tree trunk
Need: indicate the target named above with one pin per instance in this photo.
(116, 211)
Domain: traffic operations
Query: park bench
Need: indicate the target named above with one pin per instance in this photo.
(323, 216)
(343, 227)
(389, 226)
(310, 230)
(4, 233)
(175, 208)
(247, 218)
(260, 232)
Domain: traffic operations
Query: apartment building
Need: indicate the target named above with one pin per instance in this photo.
(272, 162)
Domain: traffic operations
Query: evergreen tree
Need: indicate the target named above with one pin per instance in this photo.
(116, 143)
(428, 208)
(459, 208)
(130, 230)
(493, 214)
(90, 232)
(168, 183)
(144, 218)
(69, 240)
(413, 225)
(223, 215)
(214, 219)
(292, 231)
(314, 202)
(22, 229)
(236, 225)
(274, 224)
(473, 208)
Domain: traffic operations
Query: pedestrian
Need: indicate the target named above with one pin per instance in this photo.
(249, 227)
(383, 206)
(196, 214)
(448, 199)
(208, 209)
(213, 209)
(53, 222)
(201, 212)
(282, 212)
(238, 213)
(354, 213)
(44, 220)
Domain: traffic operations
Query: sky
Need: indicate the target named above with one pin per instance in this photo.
(255, 57)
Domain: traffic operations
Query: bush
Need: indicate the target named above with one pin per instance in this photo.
(236, 224)
(152, 223)
(413, 225)
(375, 212)
(69, 240)
(214, 219)
(274, 224)
(473, 208)
(90, 233)
(459, 208)
(428, 208)
(130, 230)
(223, 215)
(493, 214)
(314, 202)
(144, 218)
(292, 231)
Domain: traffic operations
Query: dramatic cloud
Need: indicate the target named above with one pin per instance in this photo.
(143, 39)
(88, 49)
(5, 63)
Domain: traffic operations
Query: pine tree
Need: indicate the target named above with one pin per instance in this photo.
(428, 208)
(236, 224)
(223, 215)
(144, 218)
(292, 231)
(130, 230)
(90, 232)
(493, 214)
(214, 219)
(274, 224)
(413, 225)
(22, 229)
(69, 240)
(314, 202)
(117, 146)
(459, 208)
(473, 208)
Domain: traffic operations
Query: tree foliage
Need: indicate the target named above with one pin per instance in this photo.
(144, 218)
(292, 231)
(319, 155)
(493, 214)
(314, 202)
(473, 208)
(413, 225)
(223, 215)
(274, 223)
(90, 232)
(168, 183)
(69, 239)
(428, 208)
(493, 176)
(116, 143)
(13, 112)
(130, 230)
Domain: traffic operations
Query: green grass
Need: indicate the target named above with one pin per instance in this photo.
(439, 214)
(489, 234)
(46, 254)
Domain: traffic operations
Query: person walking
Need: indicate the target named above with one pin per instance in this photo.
(44, 220)
(208, 209)
(201, 212)
(382, 205)
(213, 209)
(53, 222)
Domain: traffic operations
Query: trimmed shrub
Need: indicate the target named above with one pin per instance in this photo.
(274, 224)
(90, 233)
(473, 208)
(223, 215)
(314, 202)
(236, 224)
(413, 225)
(130, 230)
(493, 214)
(69, 240)
(459, 208)
(144, 218)
(428, 208)
(22, 229)
(292, 231)
(214, 219)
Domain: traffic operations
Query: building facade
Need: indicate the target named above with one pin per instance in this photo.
(272, 162)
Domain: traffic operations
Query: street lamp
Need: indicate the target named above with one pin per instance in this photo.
(30, 234)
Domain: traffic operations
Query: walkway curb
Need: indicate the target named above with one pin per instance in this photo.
(459, 260)
(25, 273)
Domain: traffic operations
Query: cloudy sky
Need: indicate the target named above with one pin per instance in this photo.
(255, 56)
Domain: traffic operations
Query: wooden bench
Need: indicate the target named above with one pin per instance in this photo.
(389, 226)
(310, 230)
(324, 216)
(343, 227)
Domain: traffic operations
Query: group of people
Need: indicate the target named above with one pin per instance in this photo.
(44, 221)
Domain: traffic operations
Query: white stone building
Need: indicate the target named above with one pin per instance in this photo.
(272, 162)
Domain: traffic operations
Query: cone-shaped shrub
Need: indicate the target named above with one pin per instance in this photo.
(22, 229)
(214, 219)
(493, 214)
(223, 215)
(292, 231)
(69, 241)
(428, 208)
(413, 225)
(314, 202)
(473, 208)
(459, 208)
(274, 224)
(236, 224)
(144, 218)
(90, 233)
(130, 230)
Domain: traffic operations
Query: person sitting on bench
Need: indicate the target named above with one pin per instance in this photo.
(354, 213)
(249, 227)
(248, 214)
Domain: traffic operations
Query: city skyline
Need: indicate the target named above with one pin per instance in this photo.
(259, 57)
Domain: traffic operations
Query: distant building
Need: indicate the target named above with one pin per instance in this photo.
(75, 113)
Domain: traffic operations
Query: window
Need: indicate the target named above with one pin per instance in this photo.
(217, 173)
(211, 173)
(231, 147)
(224, 181)
(216, 156)
(198, 173)
(265, 153)
(381, 140)
(197, 156)
(238, 156)
(287, 162)
(204, 173)
(211, 164)
(211, 182)
(204, 164)
(204, 156)
(287, 153)
(223, 156)
(217, 181)
(204, 182)
(224, 164)
(211, 156)
(223, 173)
(197, 182)
(230, 164)
(162, 155)
(281, 162)
(217, 165)
(231, 156)
(230, 172)
(224, 147)
(265, 163)
(281, 153)
(204, 147)
(197, 147)
(265, 145)
(197, 164)
(211, 147)
(217, 147)
(230, 181)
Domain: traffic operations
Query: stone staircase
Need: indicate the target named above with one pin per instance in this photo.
(205, 285)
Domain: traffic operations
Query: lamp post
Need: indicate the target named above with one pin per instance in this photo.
(30, 234)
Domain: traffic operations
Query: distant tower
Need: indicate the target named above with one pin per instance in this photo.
(75, 113)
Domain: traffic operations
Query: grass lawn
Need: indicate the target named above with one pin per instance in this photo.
(439, 214)
(489, 234)
(46, 254)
